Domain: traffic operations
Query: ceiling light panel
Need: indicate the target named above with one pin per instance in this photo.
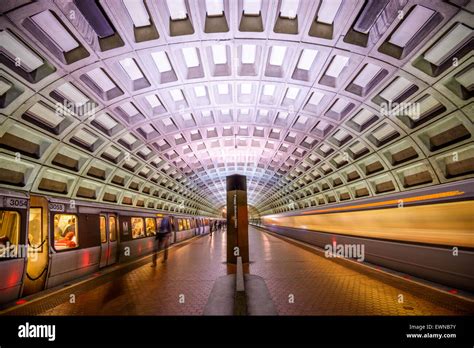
(19, 52)
(161, 61)
(131, 68)
(328, 10)
(219, 54)
(214, 7)
(137, 12)
(49, 24)
(252, 7)
(191, 57)
(411, 25)
(100, 78)
(177, 9)
(248, 54)
(277, 55)
(338, 64)
(307, 59)
(289, 8)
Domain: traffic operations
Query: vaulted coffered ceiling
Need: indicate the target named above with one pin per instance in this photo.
(160, 100)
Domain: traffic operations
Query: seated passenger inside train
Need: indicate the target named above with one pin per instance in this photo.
(65, 235)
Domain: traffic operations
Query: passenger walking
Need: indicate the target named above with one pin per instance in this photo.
(162, 240)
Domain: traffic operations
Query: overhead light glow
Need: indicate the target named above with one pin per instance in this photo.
(176, 95)
(411, 25)
(177, 9)
(71, 93)
(215, 7)
(49, 24)
(248, 54)
(161, 61)
(368, 73)
(289, 8)
(131, 68)
(445, 47)
(328, 11)
(277, 55)
(153, 100)
(100, 78)
(246, 88)
(306, 59)
(219, 54)
(137, 11)
(190, 57)
(18, 52)
(337, 65)
(252, 7)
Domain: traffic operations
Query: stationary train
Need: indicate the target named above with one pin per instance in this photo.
(47, 241)
(427, 233)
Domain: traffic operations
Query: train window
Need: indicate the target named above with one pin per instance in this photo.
(65, 231)
(180, 224)
(138, 228)
(188, 224)
(9, 233)
(112, 228)
(158, 223)
(35, 229)
(150, 226)
(103, 229)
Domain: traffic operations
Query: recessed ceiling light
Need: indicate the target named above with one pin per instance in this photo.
(214, 7)
(223, 88)
(177, 9)
(219, 54)
(306, 59)
(328, 11)
(269, 90)
(100, 78)
(200, 91)
(289, 8)
(411, 25)
(277, 55)
(72, 94)
(176, 95)
(131, 68)
(49, 24)
(137, 12)
(252, 7)
(153, 100)
(246, 88)
(338, 63)
(161, 61)
(292, 92)
(190, 57)
(18, 52)
(445, 47)
(367, 74)
(248, 54)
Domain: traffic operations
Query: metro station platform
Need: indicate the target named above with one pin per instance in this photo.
(300, 280)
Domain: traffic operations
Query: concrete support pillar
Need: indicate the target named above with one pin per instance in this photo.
(237, 219)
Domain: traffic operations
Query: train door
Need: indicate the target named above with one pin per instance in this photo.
(108, 239)
(38, 246)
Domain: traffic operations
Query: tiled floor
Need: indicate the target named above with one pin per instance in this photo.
(300, 283)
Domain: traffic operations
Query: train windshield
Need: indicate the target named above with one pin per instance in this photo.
(65, 231)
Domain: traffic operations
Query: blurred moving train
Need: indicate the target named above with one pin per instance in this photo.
(428, 233)
(46, 241)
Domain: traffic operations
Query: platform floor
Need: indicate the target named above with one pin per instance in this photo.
(300, 281)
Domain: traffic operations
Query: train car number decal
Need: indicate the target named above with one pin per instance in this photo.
(56, 207)
(16, 203)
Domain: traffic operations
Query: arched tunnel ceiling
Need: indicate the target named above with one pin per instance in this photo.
(292, 94)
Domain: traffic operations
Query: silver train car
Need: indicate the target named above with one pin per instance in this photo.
(47, 241)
